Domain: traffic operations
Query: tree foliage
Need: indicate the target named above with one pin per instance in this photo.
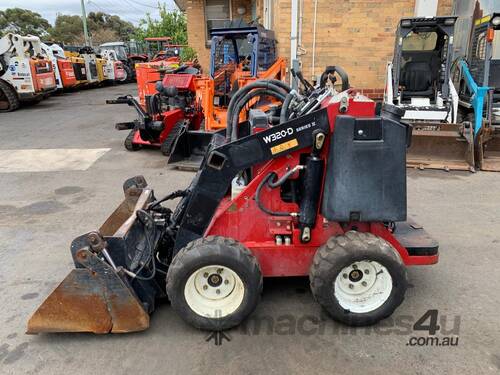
(22, 21)
(67, 29)
(172, 24)
(98, 21)
(102, 28)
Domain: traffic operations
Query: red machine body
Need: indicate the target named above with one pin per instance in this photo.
(43, 75)
(241, 218)
(67, 72)
(182, 105)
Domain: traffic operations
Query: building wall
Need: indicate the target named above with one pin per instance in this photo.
(355, 34)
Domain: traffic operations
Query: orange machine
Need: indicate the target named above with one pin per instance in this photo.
(63, 67)
(239, 56)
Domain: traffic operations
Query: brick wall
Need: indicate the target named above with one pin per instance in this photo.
(355, 34)
(197, 30)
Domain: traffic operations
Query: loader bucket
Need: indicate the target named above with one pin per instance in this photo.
(90, 302)
(489, 153)
(97, 296)
(442, 146)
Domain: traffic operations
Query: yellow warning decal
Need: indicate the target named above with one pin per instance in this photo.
(483, 20)
(284, 146)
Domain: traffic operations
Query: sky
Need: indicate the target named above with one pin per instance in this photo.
(130, 10)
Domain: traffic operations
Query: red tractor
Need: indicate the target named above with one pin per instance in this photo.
(321, 194)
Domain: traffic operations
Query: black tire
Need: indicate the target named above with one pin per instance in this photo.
(129, 144)
(8, 97)
(3, 66)
(128, 74)
(342, 251)
(168, 143)
(209, 251)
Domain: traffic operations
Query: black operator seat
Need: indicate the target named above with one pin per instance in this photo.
(416, 76)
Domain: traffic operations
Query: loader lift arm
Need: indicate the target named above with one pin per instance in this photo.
(224, 162)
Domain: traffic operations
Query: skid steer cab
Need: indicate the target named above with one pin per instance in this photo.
(419, 82)
(321, 194)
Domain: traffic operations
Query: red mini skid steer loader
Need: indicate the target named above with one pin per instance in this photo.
(322, 194)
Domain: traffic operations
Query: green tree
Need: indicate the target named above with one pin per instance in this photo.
(103, 27)
(99, 21)
(67, 29)
(22, 21)
(172, 24)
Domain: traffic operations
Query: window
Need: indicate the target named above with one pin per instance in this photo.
(420, 41)
(217, 13)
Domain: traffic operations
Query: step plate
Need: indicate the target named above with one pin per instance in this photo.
(415, 239)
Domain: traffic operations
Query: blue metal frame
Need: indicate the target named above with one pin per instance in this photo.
(263, 49)
(477, 98)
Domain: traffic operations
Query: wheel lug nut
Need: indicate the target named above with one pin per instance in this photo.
(205, 275)
(344, 275)
(219, 270)
(363, 283)
(367, 271)
(355, 266)
(217, 291)
(351, 286)
(205, 287)
(226, 282)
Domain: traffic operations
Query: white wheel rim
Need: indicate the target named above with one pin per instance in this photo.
(363, 286)
(214, 291)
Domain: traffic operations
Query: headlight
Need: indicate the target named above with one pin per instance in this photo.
(495, 21)
(405, 23)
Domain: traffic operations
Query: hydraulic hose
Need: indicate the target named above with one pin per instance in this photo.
(274, 184)
(175, 194)
(279, 83)
(285, 106)
(271, 85)
(240, 95)
(241, 104)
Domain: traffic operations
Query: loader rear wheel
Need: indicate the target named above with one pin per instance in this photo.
(129, 144)
(358, 278)
(8, 98)
(214, 283)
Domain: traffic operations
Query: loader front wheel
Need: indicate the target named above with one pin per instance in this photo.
(358, 278)
(214, 283)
